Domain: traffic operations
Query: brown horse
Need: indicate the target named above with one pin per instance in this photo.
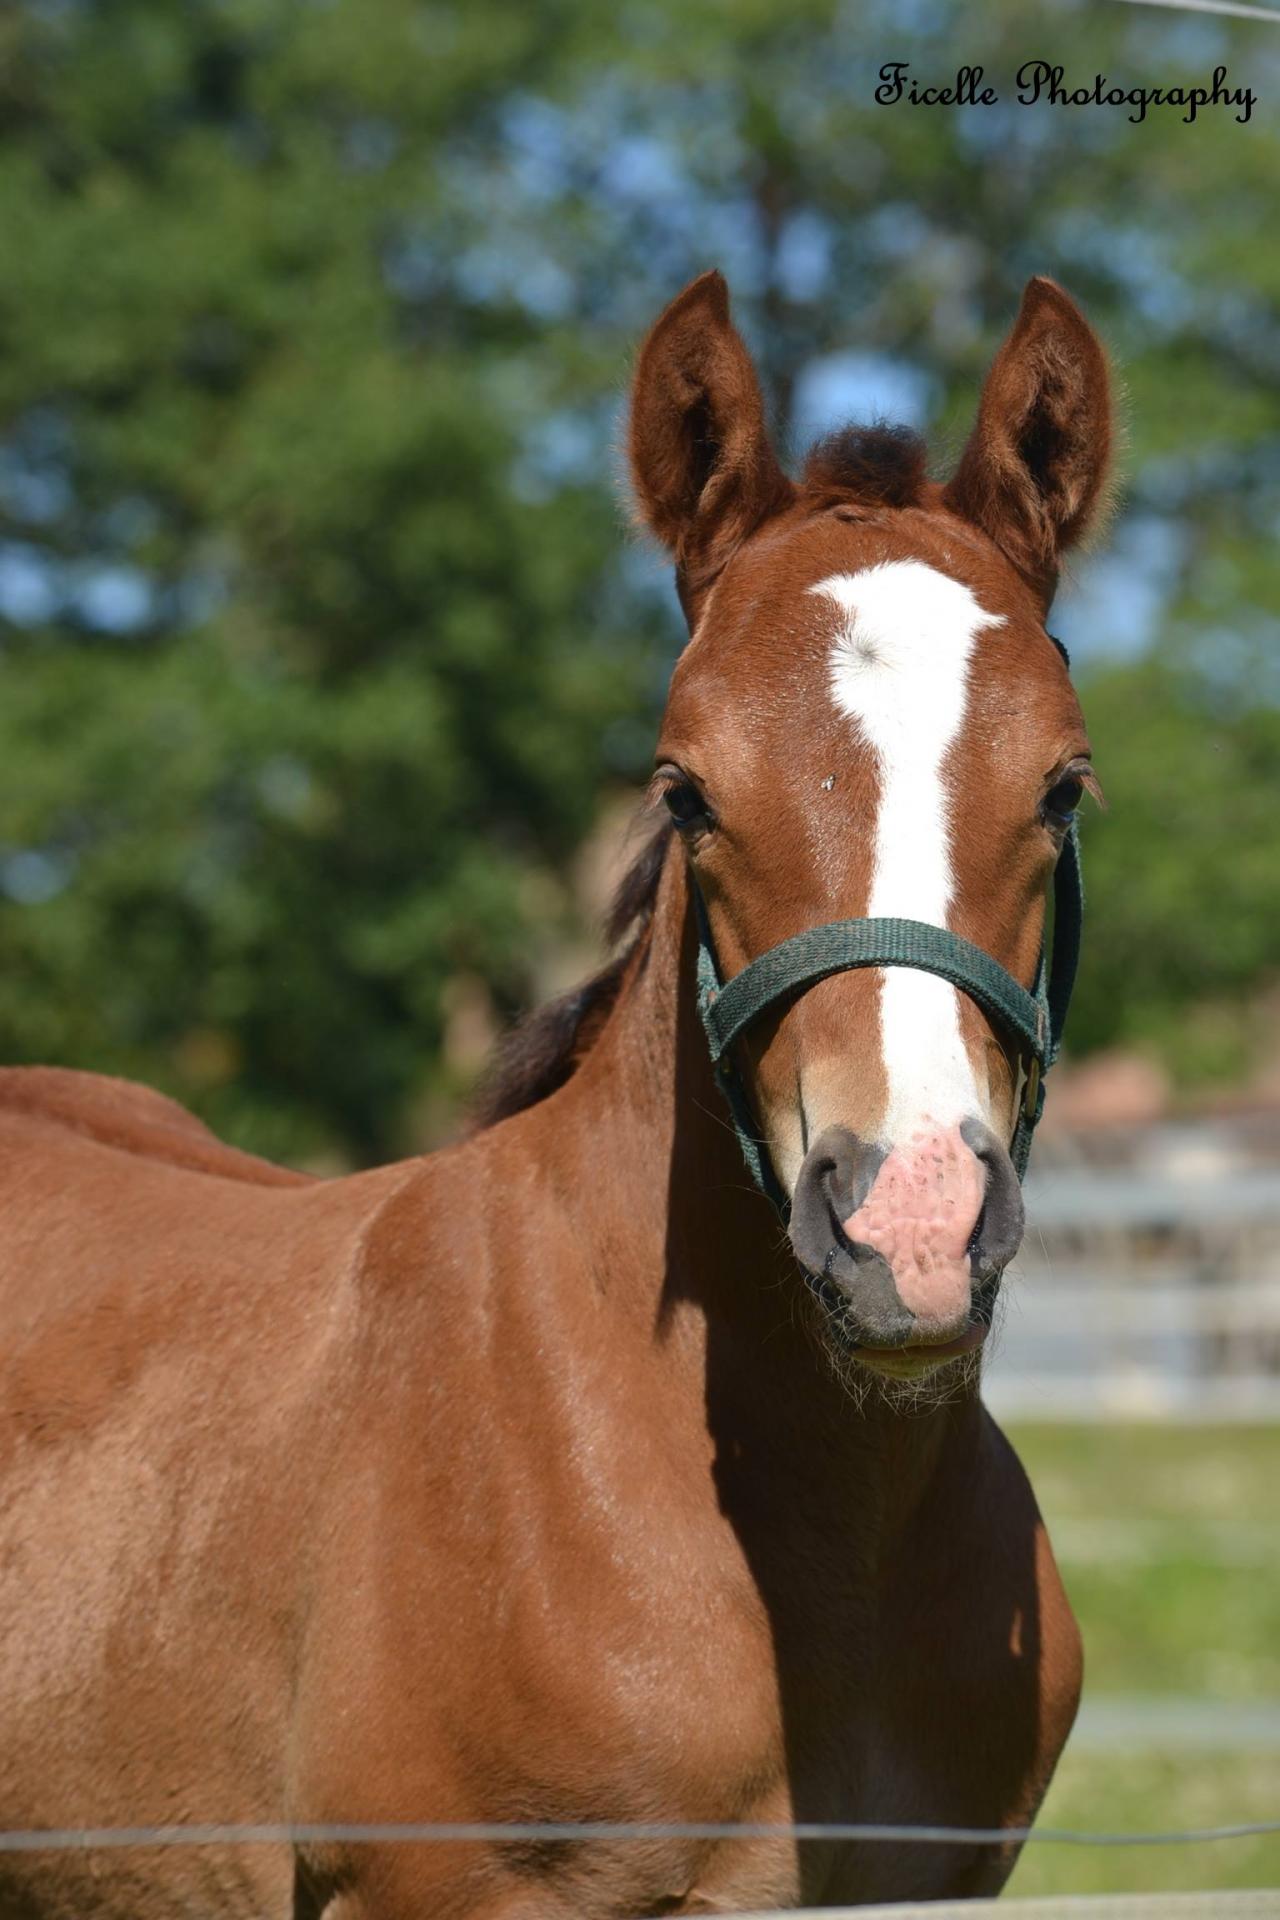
(527, 1481)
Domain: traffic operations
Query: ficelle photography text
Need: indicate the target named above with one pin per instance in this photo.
(1041, 81)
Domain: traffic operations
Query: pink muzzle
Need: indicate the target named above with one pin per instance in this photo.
(920, 1217)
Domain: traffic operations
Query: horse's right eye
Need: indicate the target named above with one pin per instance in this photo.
(683, 800)
(684, 803)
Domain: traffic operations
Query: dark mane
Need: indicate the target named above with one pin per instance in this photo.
(546, 1048)
(879, 465)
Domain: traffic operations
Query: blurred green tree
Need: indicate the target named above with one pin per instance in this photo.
(1183, 875)
(319, 635)
(303, 681)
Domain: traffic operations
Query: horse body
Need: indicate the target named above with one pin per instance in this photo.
(523, 1482)
(323, 1511)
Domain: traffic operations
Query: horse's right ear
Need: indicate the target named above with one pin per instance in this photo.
(704, 473)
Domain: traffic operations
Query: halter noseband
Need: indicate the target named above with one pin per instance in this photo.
(1036, 1017)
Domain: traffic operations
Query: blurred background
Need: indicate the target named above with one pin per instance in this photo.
(329, 669)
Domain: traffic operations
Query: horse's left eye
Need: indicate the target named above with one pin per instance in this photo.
(1061, 801)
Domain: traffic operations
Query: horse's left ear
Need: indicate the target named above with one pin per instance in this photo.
(1036, 463)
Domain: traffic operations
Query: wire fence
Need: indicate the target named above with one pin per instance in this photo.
(506, 1832)
(1251, 1904)
(1234, 8)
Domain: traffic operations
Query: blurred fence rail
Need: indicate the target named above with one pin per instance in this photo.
(1260, 1904)
(1147, 1287)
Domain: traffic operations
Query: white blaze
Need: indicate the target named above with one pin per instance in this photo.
(899, 668)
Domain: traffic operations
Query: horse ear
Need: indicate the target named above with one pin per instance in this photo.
(1037, 460)
(704, 472)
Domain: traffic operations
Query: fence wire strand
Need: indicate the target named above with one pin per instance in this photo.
(498, 1833)
(1233, 8)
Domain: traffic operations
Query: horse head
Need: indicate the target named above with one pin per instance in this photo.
(870, 720)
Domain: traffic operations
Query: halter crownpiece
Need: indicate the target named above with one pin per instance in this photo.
(1037, 1017)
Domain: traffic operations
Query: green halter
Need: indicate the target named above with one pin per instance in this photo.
(1036, 1017)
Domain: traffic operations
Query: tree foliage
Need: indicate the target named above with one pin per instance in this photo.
(320, 631)
(1183, 873)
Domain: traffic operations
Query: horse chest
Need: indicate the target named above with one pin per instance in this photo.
(607, 1622)
(720, 1725)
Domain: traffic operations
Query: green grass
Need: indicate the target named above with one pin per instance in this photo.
(1169, 1542)
(1147, 1792)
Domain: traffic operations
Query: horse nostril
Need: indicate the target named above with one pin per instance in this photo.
(839, 1172)
(997, 1232)
(835, 1179)
(974, 1248)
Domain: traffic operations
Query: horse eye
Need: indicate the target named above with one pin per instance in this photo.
(684, 803)
(1061, 801)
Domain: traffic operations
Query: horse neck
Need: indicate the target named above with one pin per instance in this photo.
(686, 1239)
(652, 1105)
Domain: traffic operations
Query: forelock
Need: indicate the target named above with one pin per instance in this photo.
(877, 465)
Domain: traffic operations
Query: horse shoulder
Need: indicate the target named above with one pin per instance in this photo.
(510, 1423)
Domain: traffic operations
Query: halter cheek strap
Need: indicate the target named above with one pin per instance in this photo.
(1036, 1018)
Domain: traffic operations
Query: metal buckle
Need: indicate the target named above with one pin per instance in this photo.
(1031, 1091)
